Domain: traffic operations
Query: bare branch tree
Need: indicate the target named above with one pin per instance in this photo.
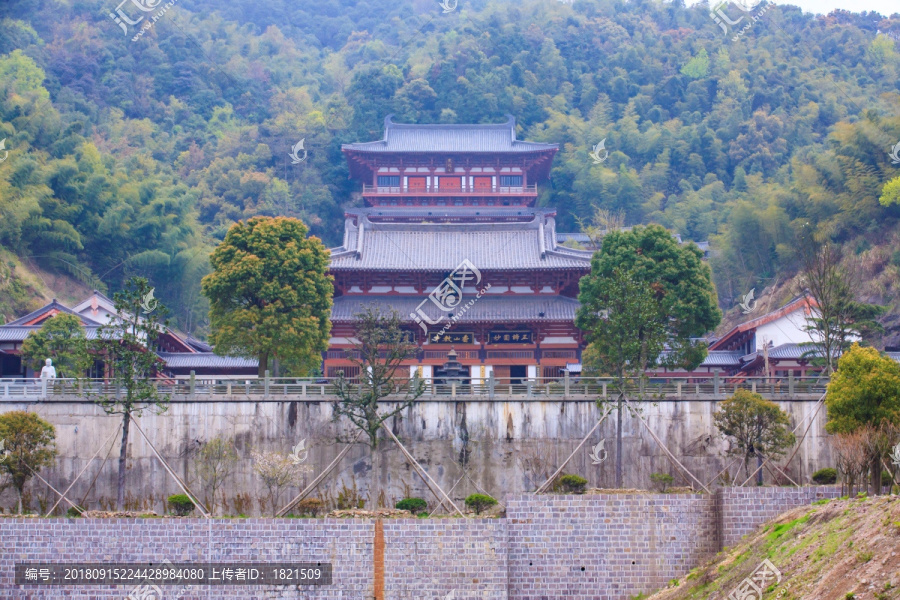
(214, 464)
(277, 473)
(381, 349)
(836, 318)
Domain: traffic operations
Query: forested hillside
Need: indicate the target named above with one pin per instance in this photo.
(132, 154)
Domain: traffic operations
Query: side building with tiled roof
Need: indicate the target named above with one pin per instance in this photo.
(179, 355)
(450, 239)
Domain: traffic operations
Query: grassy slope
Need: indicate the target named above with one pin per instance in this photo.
(24, 288)
(824, 552)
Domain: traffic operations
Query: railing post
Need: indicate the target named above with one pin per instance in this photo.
(303, 390)
(44, 387)
(228, 389)
(753, 387)
(528, 384)
(6, 390)
(491, 383)
(604, 390)
(80, 388)
(566, 384)
(193, 384)
(791, 383)
(678, 390)
(453, 390)
(266, 385)
(716, 384)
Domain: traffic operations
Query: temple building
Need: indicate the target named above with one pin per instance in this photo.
(450, 238)
(179, 354)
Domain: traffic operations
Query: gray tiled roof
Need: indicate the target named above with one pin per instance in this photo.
(16, 334)
(209, 360)
(443, 246)
(423, 213)
(53, 305)
(400, 137)
(485, 309)
(721, 358)
(795, 351)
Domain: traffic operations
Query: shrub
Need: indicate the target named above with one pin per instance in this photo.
(573, 484)
(73, 513)
(479, 502)
(825, 476)
(310, 506)
(661, 481)
(886, 479)
(413, 505)
(181, 504)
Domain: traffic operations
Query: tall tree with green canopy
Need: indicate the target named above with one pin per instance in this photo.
(27, 443)
(127, 345)
(684, 298)
(864, 391)
(641, 304)
(270, 293)
(60, 338)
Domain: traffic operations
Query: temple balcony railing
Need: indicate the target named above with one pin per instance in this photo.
(438, 190)
(566, 388)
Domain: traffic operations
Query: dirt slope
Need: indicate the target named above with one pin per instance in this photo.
(824, 552)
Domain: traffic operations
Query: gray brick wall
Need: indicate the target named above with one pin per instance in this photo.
(429, 559)
(598, 547)
(347, 544)
(605, 546)
(741, 510)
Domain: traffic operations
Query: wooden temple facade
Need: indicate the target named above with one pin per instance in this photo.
(451, 239)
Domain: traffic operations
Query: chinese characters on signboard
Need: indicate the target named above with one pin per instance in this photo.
(511, 337)
(453, 337)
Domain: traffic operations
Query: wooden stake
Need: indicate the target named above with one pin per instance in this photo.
(115, 433)
(168, 469)
(422, 472)
(584, 440)
(802, 437)
(663, 446)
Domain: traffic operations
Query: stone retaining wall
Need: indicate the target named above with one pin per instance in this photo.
(741, 510)
(603, 547)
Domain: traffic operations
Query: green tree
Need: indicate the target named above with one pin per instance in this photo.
(62, 339)
(270, 295)
(864, 392)
(698, 66)
(679, 280)
(377, 356)
(624, 337)
(890, 193)
(127, 345)
(644, 293)
(27, 443)
(755, 427)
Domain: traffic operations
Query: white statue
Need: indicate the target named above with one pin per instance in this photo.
(49, 371)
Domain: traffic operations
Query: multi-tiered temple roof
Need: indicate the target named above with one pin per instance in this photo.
(437, 197)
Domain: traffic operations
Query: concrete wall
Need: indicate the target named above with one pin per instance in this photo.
(593, 547)
(504, 446)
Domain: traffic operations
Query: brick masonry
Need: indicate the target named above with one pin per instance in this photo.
(598, 547)
(605, 547)
(741, 510)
